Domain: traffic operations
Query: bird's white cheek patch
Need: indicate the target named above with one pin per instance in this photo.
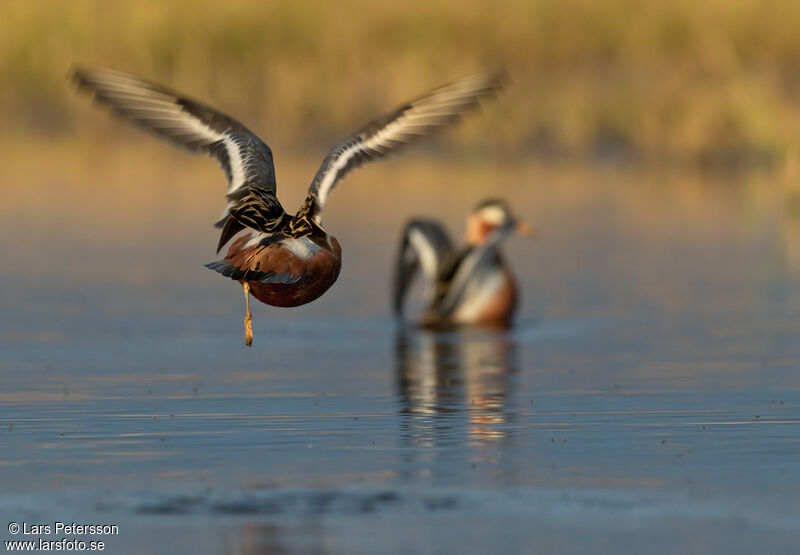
(493, 215)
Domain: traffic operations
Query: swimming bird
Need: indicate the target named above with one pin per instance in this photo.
(473, 285)
(281, 259)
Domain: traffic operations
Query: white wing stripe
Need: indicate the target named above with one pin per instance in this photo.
(167, 118)
(331, 176)
(385, 139)
(426, 252)
(236, 162)
(428, 259)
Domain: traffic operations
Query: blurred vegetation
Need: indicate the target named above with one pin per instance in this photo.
(711, 84)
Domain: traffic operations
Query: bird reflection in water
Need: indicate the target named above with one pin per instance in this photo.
(455, 383)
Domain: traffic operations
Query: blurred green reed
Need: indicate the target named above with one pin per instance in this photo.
(713, 83)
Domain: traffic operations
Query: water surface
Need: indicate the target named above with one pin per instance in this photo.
(647, 400)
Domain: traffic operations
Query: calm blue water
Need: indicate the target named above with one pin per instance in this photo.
(647, 401)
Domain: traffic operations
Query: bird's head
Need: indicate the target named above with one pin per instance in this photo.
(489, 216)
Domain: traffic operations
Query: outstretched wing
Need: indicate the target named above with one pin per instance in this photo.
(408, 123)
(246, 159)
(424, 245)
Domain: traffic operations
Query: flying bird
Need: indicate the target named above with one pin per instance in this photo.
(281, 259)
(471, 285)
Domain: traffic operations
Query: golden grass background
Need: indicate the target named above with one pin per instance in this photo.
(703, 84)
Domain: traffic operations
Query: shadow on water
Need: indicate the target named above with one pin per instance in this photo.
(453, 383)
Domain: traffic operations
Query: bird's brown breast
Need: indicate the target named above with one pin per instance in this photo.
(316, 269)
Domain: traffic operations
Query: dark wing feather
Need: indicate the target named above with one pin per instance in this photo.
(411, 121)
(246, 159)
(424, 244)
(234, 272)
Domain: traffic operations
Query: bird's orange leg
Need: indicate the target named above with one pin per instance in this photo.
(248, 328)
